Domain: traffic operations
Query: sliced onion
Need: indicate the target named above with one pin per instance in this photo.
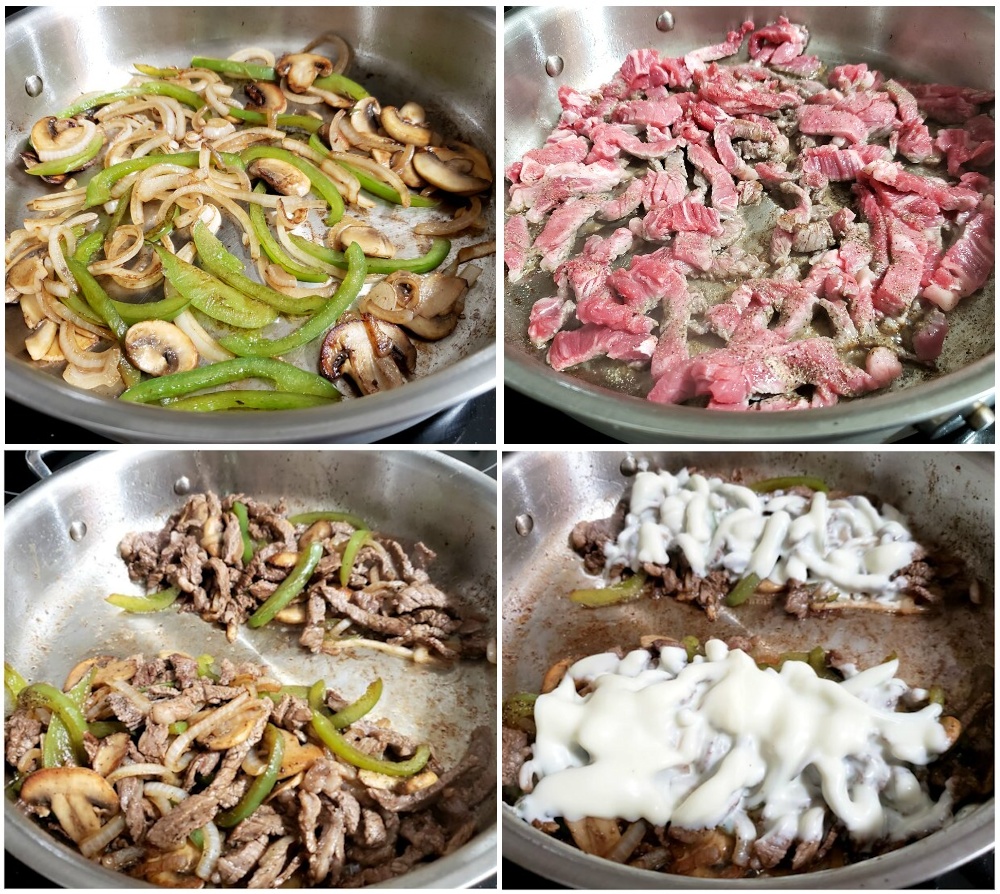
(180, 744)
(372, 167)
(460, 222)
(210, 852)
(87, 130)
(106, 377)
(254, 54)
(480, 250)
(243, 138)
(96, 843)
(127, 770)
(344, 52)
(76, 355)
(54, 309)
(207, 346)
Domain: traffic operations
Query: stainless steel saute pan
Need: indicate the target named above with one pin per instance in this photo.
(584, 46)
(949, 499)
(61, 560)
(443, 57)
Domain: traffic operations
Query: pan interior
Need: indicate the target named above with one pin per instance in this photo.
(55, 585)
(904, 43)
(399, 56)
(948, 499)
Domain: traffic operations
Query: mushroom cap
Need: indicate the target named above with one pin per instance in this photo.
(429, 306)
(159, 348)
(373, 243)
(73, 794)
(301, 69)
(377, 356)
(283, 176)
(365, 114)
(265, 96)
(440, 174)
(54, 138)
(399, 128)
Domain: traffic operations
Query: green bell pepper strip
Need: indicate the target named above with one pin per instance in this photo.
(212, 297)
(220, 401)
(273, 249)
(333, 740)
(97, 298)
(99, 188)
(56, 749)
(240, 511)
(249, 70)
(624, 590)
(154, 72)
(284, 376)
(150, 88)
(358, 709)
(316, 695)
(157, 602)
(198, 837)
(220, 263)
(431, 260)
(307, 518)
(76, 304)
(691, 646)
(72, 163)
(346, 294)
(165, 228)
(164, 309)
(261, 787)
(384, 191)
(13, 682)
(42, 695)
(101, 729)
(295, 691)
(743, 590)
(88, 247)
(337, 83)
(290, 587)
(205, 663)
(358, 539)
(121, 209)
(768, 485)
(518, 711)
(287, 122)
(178, 727)
(935, 696)
(322, 185)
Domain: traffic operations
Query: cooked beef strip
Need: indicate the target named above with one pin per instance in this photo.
(237, 862)
(271, 863)
(21, 733)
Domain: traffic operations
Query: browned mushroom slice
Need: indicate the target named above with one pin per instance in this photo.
(74, 795)
(283, 176)
(405, 130)
(448, 175)
(301, 69)
(429, 306)
(373, 242)
(375, 355)
(160, 348)
(265, 97)
(54, 138)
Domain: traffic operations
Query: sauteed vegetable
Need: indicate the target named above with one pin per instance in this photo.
(241, 209)
(185, 772)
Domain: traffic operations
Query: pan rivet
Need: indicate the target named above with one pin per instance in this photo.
(665, 21)
(33, 85)
(77, 531)
(554, 66)
(523, 524)
(629, 466)
(182, 485)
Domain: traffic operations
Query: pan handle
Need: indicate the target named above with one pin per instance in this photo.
(36, 462)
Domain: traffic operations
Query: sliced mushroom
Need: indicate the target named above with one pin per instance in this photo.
(301, 69)
(377, 356)
(110, 753)
(74, 795)
(265, 97)
(365, 115)
(373, 243)
(442, 175)
(296, 756)
(27, 275)
(54, 138)
(283, 176)
(159, 348)
(403, 130)
(429, 306)
(233, 730)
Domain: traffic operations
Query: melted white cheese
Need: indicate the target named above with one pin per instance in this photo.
(845, 547)
(703, 744)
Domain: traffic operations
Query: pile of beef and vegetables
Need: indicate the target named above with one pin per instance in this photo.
(193, 770)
